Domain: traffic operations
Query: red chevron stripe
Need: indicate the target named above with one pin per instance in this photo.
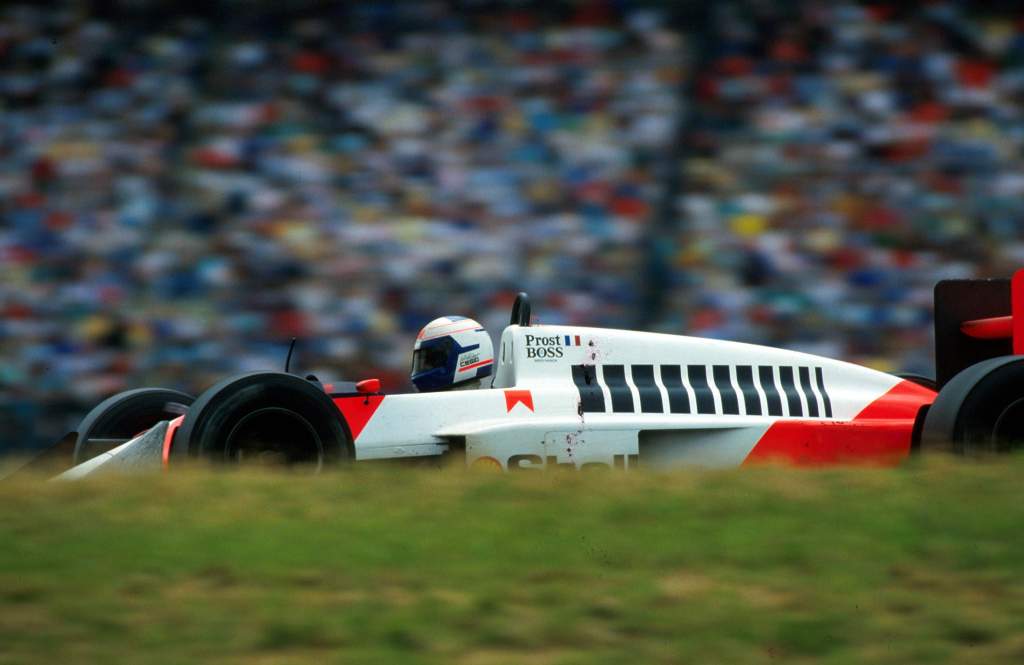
(879, 435)
(358, 410)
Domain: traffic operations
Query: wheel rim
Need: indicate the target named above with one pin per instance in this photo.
(1008, 432)
(274, 435)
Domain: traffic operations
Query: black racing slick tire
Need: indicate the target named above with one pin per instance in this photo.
(124, 415)
(267, 418)
(980, 410)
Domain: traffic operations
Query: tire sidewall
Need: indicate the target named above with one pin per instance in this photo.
(204, 430)
(966, 409)
(126, 414)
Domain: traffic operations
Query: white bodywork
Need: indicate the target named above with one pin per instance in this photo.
(625, 396)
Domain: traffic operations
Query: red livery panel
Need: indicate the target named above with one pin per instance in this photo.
(880, 434)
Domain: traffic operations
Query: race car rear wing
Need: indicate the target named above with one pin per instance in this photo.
(977, 319)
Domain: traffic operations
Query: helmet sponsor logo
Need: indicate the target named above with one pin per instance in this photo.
(465, 367)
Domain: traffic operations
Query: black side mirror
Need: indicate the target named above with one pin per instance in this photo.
(521, 310)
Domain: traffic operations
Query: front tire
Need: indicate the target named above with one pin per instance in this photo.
(266, 417)
(124, 415)
(980, 410)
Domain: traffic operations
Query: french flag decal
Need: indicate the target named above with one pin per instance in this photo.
(572, 340)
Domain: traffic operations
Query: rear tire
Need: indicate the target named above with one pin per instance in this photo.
(267, 417)
(124, 415)
(980, 410)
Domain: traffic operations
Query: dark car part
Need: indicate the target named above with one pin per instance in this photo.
(977, 319)
(267, 417)
(117, 419)
(980, 410)
(520, 310)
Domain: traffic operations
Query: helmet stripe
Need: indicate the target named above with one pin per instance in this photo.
(475, 365)
(449, 332)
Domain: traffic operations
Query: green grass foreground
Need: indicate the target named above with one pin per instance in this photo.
(920, 564)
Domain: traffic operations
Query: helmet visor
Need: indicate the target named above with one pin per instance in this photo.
(431, 357)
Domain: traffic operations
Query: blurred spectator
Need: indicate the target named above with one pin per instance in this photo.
(180, 195)
(841, 159)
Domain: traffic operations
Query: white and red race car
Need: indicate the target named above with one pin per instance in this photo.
(566, 396)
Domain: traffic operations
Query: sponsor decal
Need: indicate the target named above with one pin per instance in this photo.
(549, 347)
(471, 361)
(544, 347)
(513, 397)
(486, 463)
(539, 463)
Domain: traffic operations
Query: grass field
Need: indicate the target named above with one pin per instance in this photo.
(920, 564)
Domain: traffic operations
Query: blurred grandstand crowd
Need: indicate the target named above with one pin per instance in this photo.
(182, 194)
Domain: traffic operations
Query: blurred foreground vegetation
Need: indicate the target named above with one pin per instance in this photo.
(919, 564)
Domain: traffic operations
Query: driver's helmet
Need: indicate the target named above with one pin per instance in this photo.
(451, 350)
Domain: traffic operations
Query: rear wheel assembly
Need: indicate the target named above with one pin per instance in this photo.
(980, 410)
(117, 419)
(265, 418)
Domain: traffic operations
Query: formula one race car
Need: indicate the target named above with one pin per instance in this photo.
(566, 396)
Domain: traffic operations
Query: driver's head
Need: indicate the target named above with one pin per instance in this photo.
(451, 350)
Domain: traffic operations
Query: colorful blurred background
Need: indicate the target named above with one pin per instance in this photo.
(183, 191)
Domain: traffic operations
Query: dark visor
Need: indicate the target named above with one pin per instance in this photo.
(431, 357)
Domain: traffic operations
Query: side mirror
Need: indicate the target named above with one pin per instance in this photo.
(368, 386)
(521, 310)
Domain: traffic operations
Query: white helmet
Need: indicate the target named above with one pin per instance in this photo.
(451, 350)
